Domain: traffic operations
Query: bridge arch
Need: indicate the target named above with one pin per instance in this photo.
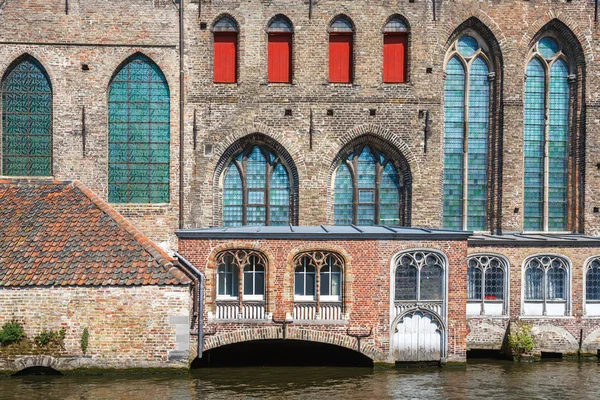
(292, 333)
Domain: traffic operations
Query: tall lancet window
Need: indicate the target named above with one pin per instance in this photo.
(466, 133)
(546, 138)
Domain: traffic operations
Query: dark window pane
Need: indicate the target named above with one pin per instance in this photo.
(473, 281)
(432, 281)
(494, 283)
(556, 284)
(310, 283)
(259, 283)
(592, 282)
(406, 282)
(534, 279)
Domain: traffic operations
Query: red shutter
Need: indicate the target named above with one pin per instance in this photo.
(280, 58)
(225, 58)
(340, 58)
(394, 58)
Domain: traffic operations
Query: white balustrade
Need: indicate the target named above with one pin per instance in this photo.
(308, 311)
(231, 310)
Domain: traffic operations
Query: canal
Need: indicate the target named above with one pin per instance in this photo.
(479, 380)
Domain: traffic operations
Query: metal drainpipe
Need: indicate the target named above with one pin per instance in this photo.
(199, 300)
(181, 113)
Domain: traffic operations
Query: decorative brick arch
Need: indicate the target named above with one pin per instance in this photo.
(591, 344)
(211, 271)
(237, 146)
(7, 64)
(292, 333)
(476, 17)
(399, 152)
(348, 276)
(159, 59)
(556, 337)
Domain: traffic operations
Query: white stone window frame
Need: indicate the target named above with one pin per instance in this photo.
(417, 305)
(591, 308)
(505, 302)
(529, 308)
(254, 264)
(234, 270)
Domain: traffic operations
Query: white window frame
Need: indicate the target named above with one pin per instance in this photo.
(544, 302)
(505, 265)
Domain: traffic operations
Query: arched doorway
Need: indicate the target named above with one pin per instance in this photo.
(417, 337)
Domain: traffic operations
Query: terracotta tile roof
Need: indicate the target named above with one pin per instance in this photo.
(61, 233)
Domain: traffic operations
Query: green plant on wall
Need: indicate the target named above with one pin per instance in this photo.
(12, 332)
(51, 338)
(85, 337)
(520, 340)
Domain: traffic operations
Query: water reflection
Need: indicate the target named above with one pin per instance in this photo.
(488, 380)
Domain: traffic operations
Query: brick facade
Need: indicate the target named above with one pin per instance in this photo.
(129, 327)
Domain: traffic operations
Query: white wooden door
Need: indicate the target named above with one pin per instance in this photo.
(418, 338)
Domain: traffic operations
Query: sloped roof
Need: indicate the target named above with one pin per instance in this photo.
(62, 234)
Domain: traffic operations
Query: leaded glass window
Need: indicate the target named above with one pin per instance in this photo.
(26, 120)
(256, 189)
(466, 135)
(367, 189)
(592, 281)
(546, 281)
(419, 276)
(486, 283)
(546, 138)
(138, 134)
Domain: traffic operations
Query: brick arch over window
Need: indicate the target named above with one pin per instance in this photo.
(237, 148)
(573, 56)
(27, 114)
(492, 165)
(381, 148)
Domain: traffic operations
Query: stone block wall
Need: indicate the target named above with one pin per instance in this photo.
(129, 327)
(366, 292)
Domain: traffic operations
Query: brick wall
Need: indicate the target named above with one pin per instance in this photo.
(366, 291)
(129, 327)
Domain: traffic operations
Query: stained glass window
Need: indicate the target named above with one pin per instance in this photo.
(486, 281)
(546, 279)
(256, 190)
(546, 139)
(367, 190)
(592, 281)
(466, 119)
(27, 120)
(138, 134)
(419, 276)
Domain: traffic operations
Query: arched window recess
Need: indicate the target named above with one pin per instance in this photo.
(225, 50)
(256, 189)
(487, 285)
(240, 285)
(547, 288)
(591, 291)
(319, 286)
(469, 77)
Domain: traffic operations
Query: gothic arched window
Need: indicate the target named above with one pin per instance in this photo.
(546, 139)
(367, 189)
(419, 276)
(139, 134)
(592, 287)
(341, 38)
(225, 50)
(546, 288)
(395, 51)
(256, 189)
(466, 133)
(26, 120)
(280, 34)
(486, 285)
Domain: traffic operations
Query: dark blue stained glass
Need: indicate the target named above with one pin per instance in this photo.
(548, 47)
(454, 118)
(257, 203)
(467, 46)
(478, 133)
(226, 24)
(533, 148)
(280, 24)
(558, 146)
(342, 208)
(389, 196)
(139, 134)
(367, 176)
(280, 196)
(27, 121)
(341, 24)
(232, 197)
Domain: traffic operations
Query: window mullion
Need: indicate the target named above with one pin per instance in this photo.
(354, 175)
(544, 291)
(269, 176)
(244, 174)
(465, 182)
(378, 173)
(546, 150)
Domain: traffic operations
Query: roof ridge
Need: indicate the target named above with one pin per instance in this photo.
(155, 251)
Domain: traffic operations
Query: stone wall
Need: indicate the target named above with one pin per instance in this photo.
(129, 327)
(366, 292)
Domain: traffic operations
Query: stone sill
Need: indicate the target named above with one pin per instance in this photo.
(488, 316)
(590, 317)
(545, 317)
(240, 321)
(320, 321)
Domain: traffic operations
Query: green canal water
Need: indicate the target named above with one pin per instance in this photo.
(479, 380)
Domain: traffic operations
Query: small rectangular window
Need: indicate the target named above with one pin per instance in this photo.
(394, 58)
(340, 58)
(280, 58)
(225, 58)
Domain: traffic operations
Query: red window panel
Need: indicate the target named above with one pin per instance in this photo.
(394, 58)
(340, 58)
(225, 58)
(280, 58)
